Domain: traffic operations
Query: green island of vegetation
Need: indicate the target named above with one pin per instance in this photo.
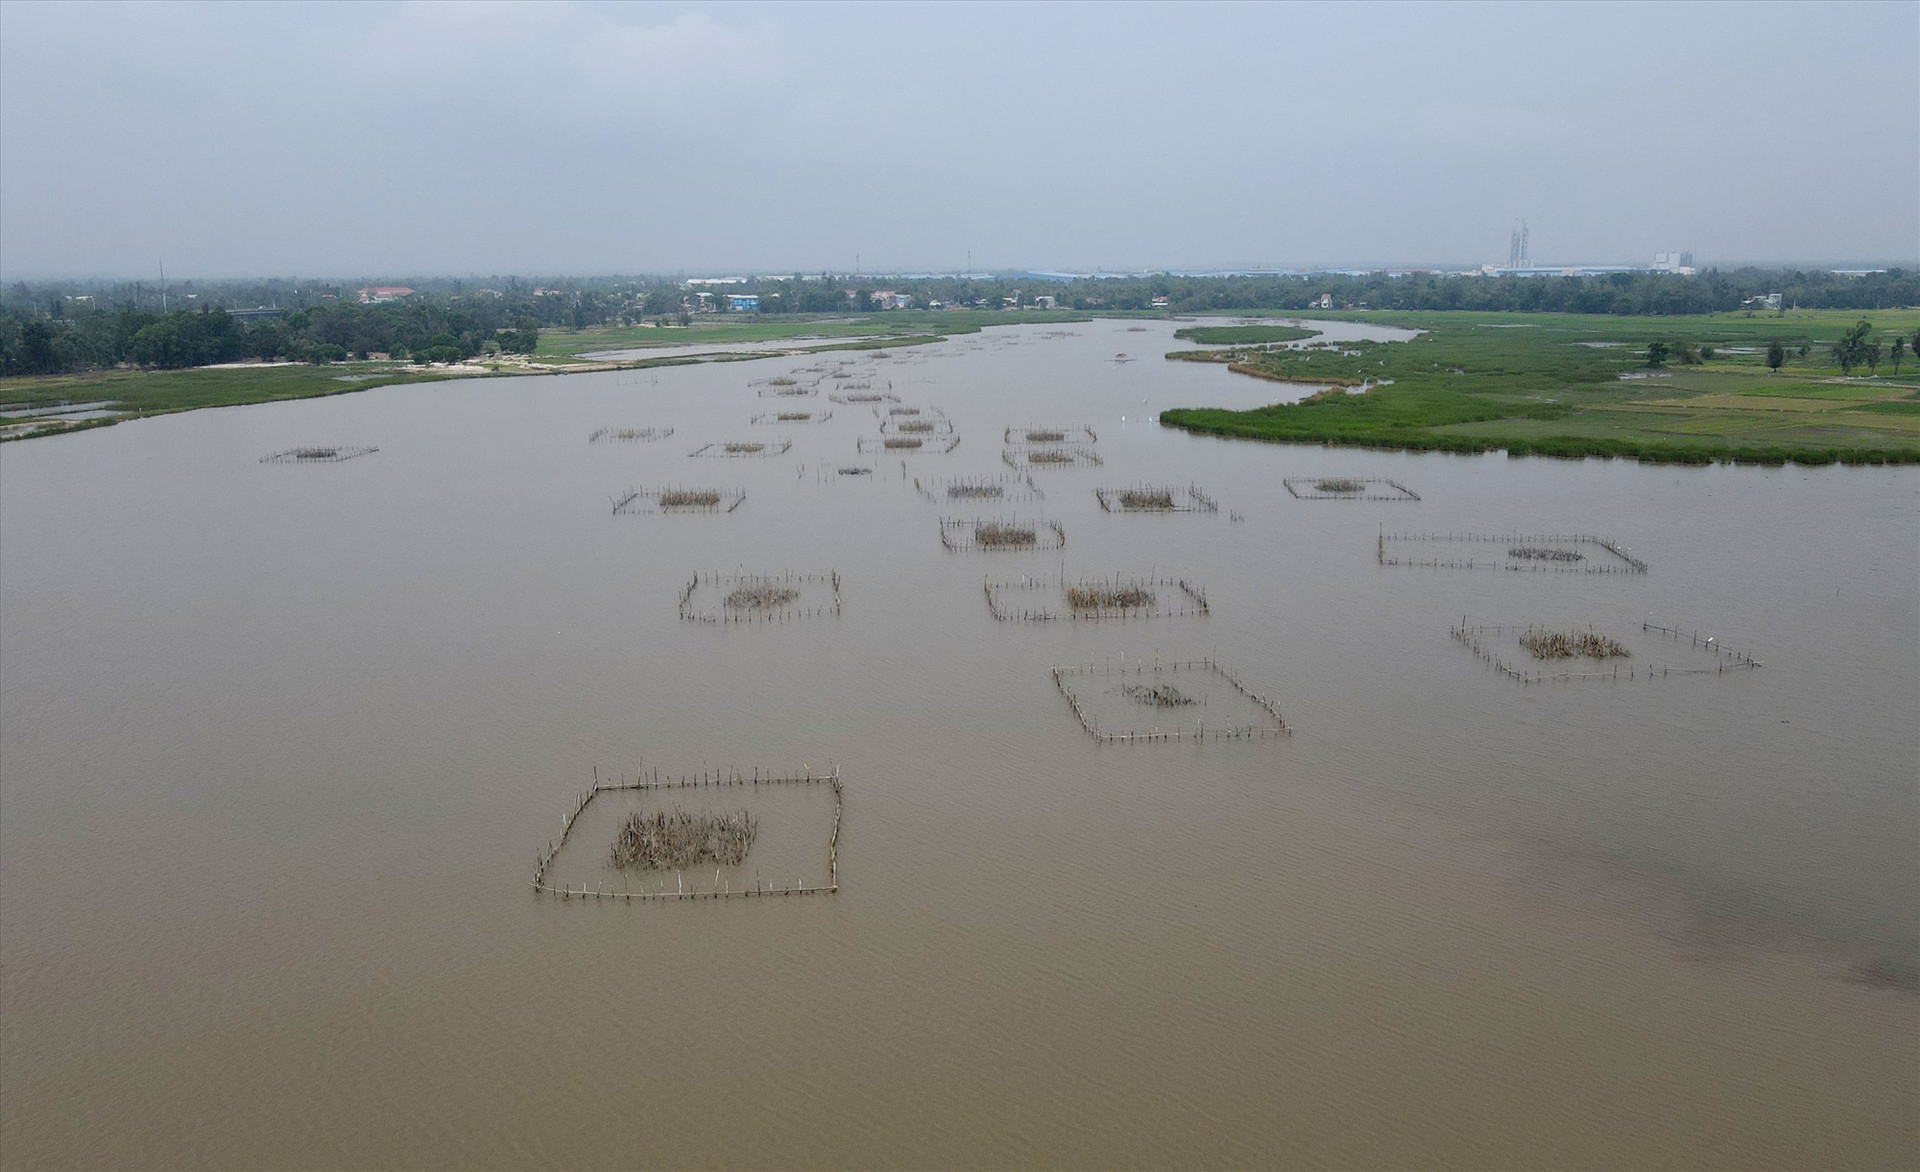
(1808, 387)
(1243, 335)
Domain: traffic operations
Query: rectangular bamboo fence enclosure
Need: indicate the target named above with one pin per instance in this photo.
(1025, 458)
(1044, 434)
(907, 445)
(1057, 599)
(916, 425)
(1155, 498)
(715, 597)
(773, 445)
(1007, 488)
(1000, 535)
(1564, 553)
(1140, 700)
(715, 834)
(793, 415)
(1348, 488)
(677, 499)
(1543, 653)
(316, 454)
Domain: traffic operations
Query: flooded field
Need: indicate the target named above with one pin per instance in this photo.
(282, 743)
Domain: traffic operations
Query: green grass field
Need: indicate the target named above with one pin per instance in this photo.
(892, 327)
(1537, 384)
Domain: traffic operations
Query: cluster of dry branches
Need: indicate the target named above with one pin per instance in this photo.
(1146, 498)
(673, 840)
(1000, 535)
(689, 498)
(761, 596)
(1157, 695)
(1540, 553)
(1103, 597)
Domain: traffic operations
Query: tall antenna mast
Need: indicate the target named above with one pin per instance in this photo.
(1526, 247)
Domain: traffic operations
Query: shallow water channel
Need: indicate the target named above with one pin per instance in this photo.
(280, 743)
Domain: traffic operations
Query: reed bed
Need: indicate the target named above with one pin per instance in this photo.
(673, 840)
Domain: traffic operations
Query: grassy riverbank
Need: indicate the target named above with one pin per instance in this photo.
(131, 394)
(899, 327)
(1579, 385)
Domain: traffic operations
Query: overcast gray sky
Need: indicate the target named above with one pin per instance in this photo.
(447, 138)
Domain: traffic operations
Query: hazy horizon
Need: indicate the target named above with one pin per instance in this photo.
(382, 140)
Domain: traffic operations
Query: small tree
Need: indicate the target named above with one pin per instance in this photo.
(1899, 348)
(1851, 350)
(1656, 355)
(1776, 354)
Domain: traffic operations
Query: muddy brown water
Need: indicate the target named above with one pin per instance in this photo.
(278, 746)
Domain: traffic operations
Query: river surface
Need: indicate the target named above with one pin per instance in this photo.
(279, 745)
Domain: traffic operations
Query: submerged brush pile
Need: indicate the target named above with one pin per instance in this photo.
(1045, 437)
(1049, 457)
(915, 427)
(902, 443)
(628, 435)
(1339, 484)
(975, 490)
(1537, 553)
(1156, 695)
(741, 449)
(673, 840)
(1545, 644)
(1101, 596)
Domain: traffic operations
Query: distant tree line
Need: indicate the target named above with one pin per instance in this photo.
(426, 330)
(56, 326)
